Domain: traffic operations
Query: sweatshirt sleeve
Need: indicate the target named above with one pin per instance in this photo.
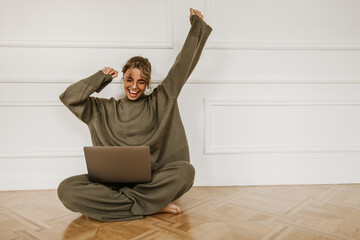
(77, 96)
(187, 58)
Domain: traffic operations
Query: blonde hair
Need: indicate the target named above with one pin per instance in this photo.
(143, 65)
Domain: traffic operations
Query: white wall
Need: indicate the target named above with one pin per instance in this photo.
(274, 99)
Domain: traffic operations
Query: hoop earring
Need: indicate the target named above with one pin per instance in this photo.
(148, 90)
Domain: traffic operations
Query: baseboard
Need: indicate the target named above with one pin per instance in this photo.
(276, 178)
(32, 182)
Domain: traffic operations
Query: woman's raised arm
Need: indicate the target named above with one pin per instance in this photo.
(77, 96)
(188, 56)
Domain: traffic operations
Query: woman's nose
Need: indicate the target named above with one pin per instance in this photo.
(134, 85)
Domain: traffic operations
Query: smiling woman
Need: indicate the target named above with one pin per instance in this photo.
(137, 120)
(134, 85)
(136, 76)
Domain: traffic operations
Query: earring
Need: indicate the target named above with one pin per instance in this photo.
(147, 90)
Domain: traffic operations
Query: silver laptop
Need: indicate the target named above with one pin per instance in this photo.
(118, 164)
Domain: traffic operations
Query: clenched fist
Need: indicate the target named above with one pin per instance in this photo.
(196, 12)
(110, 71)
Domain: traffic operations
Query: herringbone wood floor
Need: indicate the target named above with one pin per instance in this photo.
(259, 212)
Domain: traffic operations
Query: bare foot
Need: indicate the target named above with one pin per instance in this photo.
(171, 208)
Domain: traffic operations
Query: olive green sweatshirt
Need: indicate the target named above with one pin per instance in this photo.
(151, 120)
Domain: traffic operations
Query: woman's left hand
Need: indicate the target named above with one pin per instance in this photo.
(196, 12)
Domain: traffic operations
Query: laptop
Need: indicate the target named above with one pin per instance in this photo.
(118, 164)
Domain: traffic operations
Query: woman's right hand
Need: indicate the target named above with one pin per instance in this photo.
(110, 71)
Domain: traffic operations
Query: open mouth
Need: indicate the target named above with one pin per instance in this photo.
(132, 93)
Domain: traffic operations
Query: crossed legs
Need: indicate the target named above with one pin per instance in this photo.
(118, 202)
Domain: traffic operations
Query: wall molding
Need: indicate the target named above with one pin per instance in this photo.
(50, 180)
(274, 79)
(42, 154)
(31, 104)
(57, 103)
(276, 178)
(200, 79)
(209, 149)
(167, 44)
(283, 46)
(50, 79)
(218, 45)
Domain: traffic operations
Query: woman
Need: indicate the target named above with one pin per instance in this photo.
(138, 119)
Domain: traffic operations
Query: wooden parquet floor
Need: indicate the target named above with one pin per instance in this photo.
(303, 212)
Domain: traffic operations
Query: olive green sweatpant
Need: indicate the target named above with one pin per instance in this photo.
(117, 202)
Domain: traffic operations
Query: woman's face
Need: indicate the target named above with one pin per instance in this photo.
(134, 85)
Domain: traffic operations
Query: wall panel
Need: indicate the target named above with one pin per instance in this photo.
(281, 24)
(104, 24)
(284, 126)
